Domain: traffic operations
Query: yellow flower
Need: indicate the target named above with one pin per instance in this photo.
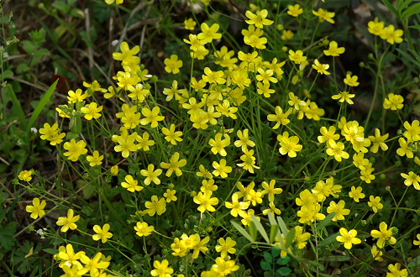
(174, 165)
(92, 111)
(324, 15)
(351, 80)
(151, 116)
(328, 135)
(394, 102)
(172, 65)
(337, 150)
(75, 149)
(375, 27)
(25, 175)
(208, 34)
(211, 77)
(37, 210)
(383, 235)
(51, 133)
(126, 53)
(270, 190)
(75, 97)
(170, 195)
(102, 233)
(375, 203)
(356, 193)
(295, 10)
(258, 19)
(301, 238)
(391, 35)
(226, 246)
(378, 141)
(93, 265)
(289, 145)
(413, 131)
(222, 267)
(205, 201)
(255, 42)
(338, 209)
(95, 159)
(287, 35)
(376, 254)
(218, 145)
(236, 206)
(344, 96)
(161, 269)
(143, 229)
(279, 117)
(244, 140)
(189, 24)
(144, 142)
(151, 175)
(411, 179)
(118, 2)
(321, 68)
(130, 184)
(395, 271)
(155, 206)
(221, 169)
(195, 42)
(171, 135)
(297, 57)
(404, 149)
(68, 222)
(348, 237)
(334, 50)
(126, 144)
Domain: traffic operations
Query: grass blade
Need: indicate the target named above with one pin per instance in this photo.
(17, 106)
(242, 231)
(41, 105)
(260, 228)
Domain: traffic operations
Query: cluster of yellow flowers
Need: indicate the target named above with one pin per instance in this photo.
(214, 100)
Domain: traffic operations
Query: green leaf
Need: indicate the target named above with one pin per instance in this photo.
(401, 4)
(282, 226)
(284, 271)
(38, 55)
(326, 221)
(329, 240)
(50, 251)
(260, 228)
(408, 58)
(16, 105)
(415, 262)
(273, 232)
(242, 231)
(390, 7)
(6, 236)
(289, 238)
(76, 125)
(283, 261)
(61, 6)
(268, 258)
(271, 219)
(252, 230)
(41, 105)
(7, 74)
(414, 9)
(265, 265)
(275, 251)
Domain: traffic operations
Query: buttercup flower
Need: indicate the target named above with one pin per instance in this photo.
(102, 233)
(68, 222)
(37, 210)
(348, 238)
